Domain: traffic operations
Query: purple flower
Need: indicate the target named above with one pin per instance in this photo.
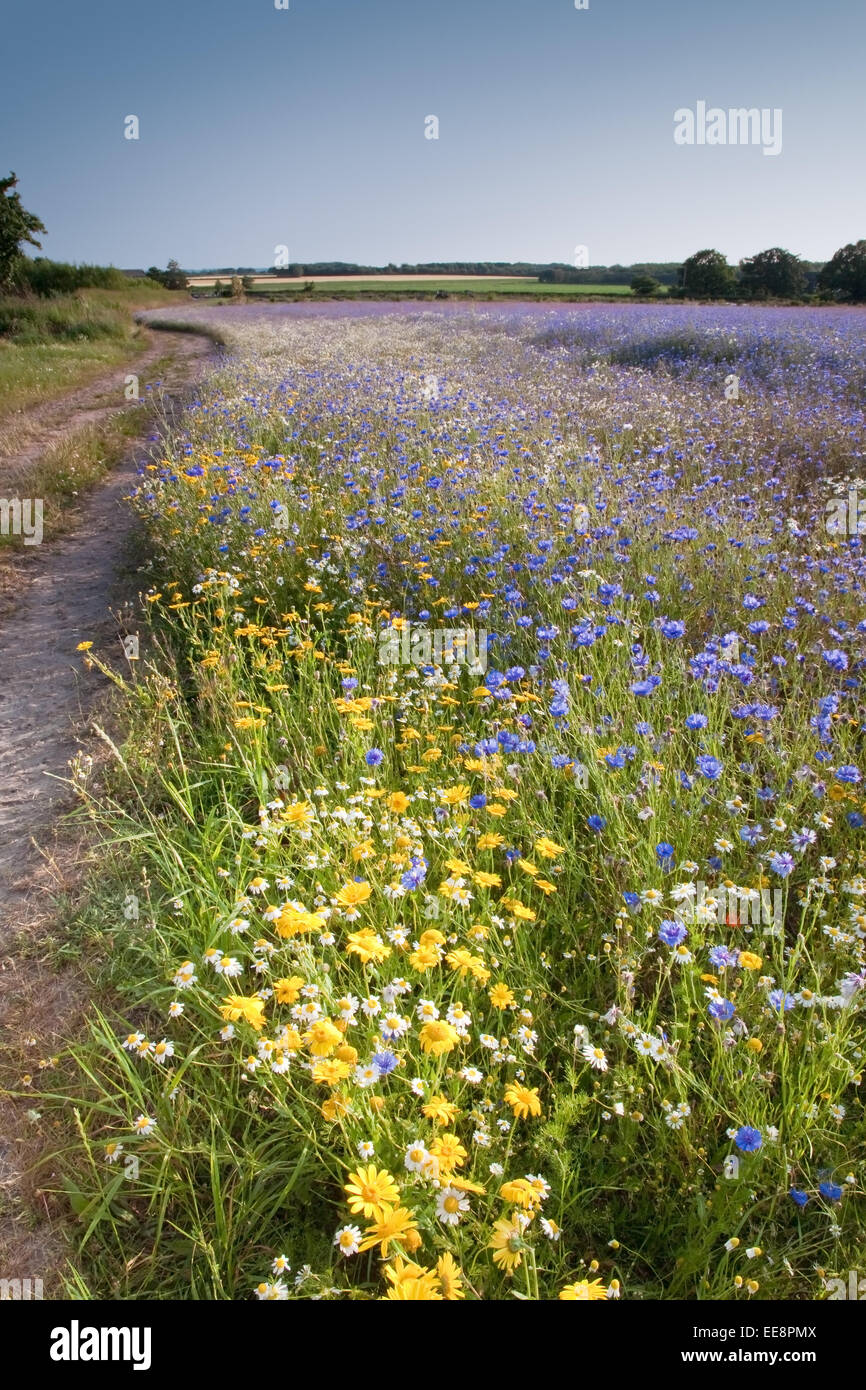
(672, 933)
(385, 1061)
(837, 660)
(780, 1000)
(748, 1139)
(645, 687)
(782, 864)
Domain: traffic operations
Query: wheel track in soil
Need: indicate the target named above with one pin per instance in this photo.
(64, 592)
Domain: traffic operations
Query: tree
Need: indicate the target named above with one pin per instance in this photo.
(645, 284)
(174, 278)
(844, 276)
(16, 225)
(707, 275)
(775, 273)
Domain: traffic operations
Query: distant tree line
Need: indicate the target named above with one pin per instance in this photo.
(775, 274)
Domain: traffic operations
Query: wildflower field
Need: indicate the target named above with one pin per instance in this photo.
(525, 961)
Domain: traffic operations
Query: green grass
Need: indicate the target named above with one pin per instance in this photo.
(50, 346)
(482, 285)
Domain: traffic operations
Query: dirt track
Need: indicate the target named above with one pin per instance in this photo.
(63, 593)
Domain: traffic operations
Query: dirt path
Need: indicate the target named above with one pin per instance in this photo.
(64, 590)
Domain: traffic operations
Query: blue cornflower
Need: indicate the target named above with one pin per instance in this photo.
(596, 822)
(708, 767)
(664, 851)
(847, 773)
(478, 802)
(645, 687)
(722, 957)
(748, 1139)
(672, 933)
(836, 660)
(385, 1061)
(374, 757)
(722, 1009)
(855, 820)
(801, 1198)
(780, 1000)
(831, 1190)
(414, 875)
(696, 721)
(782, 864)
(751, 834)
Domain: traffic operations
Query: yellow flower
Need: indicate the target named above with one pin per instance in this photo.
(584, 1291)
(330, 1071)
(501, 996)
(397, 803)
(391, 1228)
(463, 961)
(521, 1193)
(490, 840)
(84, 646)
(352, 894)
(236, 1006)
(367, 946)
(287, 989)
(506, 1244)
(454, 796)
(548, 849)
(371, 1191)
(523, 1101)
(334, 1107)
(441, 1110)
(749, 961)
(300, 813)
(755, 1045)
(438, 1037)
(294, 921)
(448, 1152)
(424, 958)
(322, 1038)
(449, 1278)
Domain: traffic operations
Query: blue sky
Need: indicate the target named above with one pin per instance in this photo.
(305, 127)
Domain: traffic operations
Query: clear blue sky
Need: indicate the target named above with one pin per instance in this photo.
(305, 127)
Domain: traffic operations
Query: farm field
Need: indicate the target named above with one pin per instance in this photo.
(413, 284)
(492, 812)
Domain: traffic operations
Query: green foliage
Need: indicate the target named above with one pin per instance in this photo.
(17, 225)
(707, 275)
(773, 274)
(844, 276)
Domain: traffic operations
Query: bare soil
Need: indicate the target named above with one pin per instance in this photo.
(62, 594)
